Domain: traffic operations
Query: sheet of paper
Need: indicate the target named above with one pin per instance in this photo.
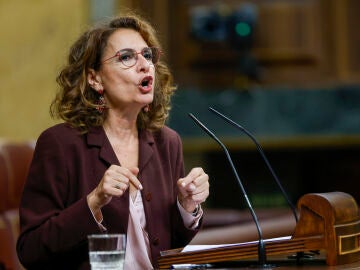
(205, 247)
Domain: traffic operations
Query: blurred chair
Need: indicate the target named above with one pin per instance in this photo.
(3, 183)
(15, 159)
(7, 256)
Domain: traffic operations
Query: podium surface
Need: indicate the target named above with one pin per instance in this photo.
(329, 225)
(279, 263)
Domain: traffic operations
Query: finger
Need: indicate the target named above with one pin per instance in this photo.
(114, 179)
(118, 190)
(121, 186)
(134, 170)
(199, 184)
(129, 174)
(190, 187)
(134, 180)
(114, 175)
(201, 180)
(203, 188)
(200, 197)
(185, 189)
(193, 174)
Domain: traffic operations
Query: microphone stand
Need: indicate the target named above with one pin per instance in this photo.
(261, 244)
(299, 255)
(260, 150)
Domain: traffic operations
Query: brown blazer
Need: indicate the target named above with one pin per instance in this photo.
(54, 216)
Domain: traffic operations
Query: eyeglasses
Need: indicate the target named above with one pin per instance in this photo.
(129, 57)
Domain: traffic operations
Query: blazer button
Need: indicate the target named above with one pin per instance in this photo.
(156, 241)
(148, 196)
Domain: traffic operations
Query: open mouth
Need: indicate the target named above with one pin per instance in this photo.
(146, 83)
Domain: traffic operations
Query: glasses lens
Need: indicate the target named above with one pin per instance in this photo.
(147, 54)
(155, 54)
(127, 57)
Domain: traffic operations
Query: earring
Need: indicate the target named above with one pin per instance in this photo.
(146, 108)
(101, 104)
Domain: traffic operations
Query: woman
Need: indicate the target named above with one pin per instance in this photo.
(113, 166)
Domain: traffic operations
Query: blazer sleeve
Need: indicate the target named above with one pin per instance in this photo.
(50, 225)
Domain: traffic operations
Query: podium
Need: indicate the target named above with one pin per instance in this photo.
(328, 223)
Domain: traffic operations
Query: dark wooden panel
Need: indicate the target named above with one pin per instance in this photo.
(353, 12)
(295, 42)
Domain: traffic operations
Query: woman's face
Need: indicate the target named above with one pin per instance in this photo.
(126, 88)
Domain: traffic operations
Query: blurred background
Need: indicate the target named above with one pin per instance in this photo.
(287, 70)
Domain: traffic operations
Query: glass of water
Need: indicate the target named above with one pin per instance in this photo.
(107, 251)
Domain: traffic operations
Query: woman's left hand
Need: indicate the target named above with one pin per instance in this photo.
(193, 189)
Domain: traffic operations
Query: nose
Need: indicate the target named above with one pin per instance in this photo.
(143, 64)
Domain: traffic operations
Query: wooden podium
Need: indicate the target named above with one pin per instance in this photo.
(328, 222)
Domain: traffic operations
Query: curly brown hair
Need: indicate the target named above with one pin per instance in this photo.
(76, 102)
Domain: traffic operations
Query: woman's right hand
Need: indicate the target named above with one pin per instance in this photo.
(115, 182)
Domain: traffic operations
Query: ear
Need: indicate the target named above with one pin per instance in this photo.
(94, 79)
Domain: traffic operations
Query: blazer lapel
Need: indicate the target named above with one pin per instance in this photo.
(97, 137)
(116, 213)
(146, 141)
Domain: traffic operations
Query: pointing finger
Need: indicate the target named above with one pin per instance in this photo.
(131, 175)
(134, 179)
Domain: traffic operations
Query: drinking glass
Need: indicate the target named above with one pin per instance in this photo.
(107, 251)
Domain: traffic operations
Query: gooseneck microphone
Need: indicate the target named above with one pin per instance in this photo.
(262, 153)
(261, 245)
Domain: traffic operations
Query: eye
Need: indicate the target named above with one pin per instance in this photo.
(147, 53)
(126, 56)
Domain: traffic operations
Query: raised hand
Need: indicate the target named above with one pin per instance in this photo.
(115, 182)
(193, 189)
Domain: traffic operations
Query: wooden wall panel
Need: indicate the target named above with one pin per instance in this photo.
(353, 37)
(296, 42)
(289, 32)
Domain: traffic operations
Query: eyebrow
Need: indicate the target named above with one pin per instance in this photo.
(125, 49)
(132, 49)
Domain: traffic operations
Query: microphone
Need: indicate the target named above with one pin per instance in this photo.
(261, 245)
(260, 150)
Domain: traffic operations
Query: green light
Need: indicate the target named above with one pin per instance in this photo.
(242, 29)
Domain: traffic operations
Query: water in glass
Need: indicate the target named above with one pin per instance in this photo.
(102, 260)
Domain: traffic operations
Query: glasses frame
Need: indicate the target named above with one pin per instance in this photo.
(118, 54)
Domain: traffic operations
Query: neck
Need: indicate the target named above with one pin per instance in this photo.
(120, 129)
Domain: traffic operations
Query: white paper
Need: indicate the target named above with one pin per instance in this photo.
(205, 247)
